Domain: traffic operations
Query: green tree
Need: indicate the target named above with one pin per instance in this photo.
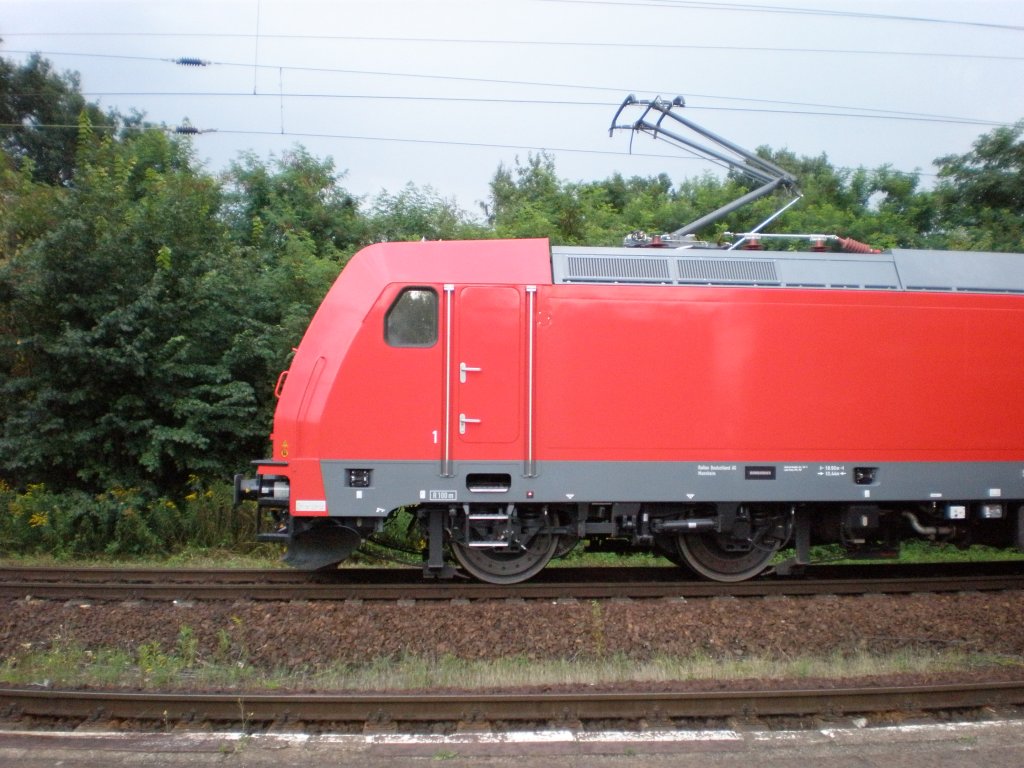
(294, 196)
(39, 113)
(530, 200)
(26, 206)
(981, 193)
(418, 213)
(119, 364)
(648, 204)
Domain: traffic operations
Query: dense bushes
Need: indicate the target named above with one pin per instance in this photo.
(118, 523)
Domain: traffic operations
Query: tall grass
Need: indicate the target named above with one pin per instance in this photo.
(183, 666)
(120, 523)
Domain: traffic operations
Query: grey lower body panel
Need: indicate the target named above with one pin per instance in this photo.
(393, 484)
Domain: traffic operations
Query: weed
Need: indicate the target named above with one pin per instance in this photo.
(188, 647)
(223, 652)
(597, 638)
(156, 666)
(244, 718)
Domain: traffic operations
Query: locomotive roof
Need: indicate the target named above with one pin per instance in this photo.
(897, 270)
(533, 261)
(524, 262)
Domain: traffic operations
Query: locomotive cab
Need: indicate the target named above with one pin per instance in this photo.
(409, 373)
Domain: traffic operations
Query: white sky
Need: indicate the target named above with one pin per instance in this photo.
(398, 91)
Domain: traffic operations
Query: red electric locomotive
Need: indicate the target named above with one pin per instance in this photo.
(713, 404)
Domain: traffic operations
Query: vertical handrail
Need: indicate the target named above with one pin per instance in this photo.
(446, 460)
(531, 334)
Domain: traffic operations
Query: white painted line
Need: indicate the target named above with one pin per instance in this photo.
(554, 736)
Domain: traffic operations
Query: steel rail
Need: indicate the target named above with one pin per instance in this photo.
(414, 573)
(100, 574)
(114, 584)
(590, 591)
(375, 710)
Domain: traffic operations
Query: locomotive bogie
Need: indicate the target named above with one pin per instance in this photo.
(506, 543)
(716, 408)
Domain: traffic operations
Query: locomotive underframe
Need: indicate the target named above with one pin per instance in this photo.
(357, 488)
(724, 521)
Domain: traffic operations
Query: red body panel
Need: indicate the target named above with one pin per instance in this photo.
(746, 374)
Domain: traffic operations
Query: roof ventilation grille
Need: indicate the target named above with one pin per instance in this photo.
(726, 271)
(619, 269)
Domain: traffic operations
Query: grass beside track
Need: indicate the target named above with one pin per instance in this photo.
(269, 556)
(152, 668)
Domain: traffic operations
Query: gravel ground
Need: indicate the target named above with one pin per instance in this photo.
(272, 635)
(970, 745)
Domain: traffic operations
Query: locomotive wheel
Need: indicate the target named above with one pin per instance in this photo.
(566, 542)
(667, 546)
(498, 566)
(706, 554)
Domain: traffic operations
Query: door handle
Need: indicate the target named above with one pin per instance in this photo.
(464, 420)
(464, 369)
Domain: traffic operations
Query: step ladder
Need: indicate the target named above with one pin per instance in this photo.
(503, 541)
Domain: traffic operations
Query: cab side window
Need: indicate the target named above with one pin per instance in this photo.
(412, 319)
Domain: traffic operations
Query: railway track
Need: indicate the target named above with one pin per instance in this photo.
(490, 711)
(408, 584)
(636, 707)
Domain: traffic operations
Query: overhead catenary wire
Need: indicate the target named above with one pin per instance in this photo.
(540, 148)
(746, 48)
(540, 102)
(849, 110)
(304, 121)
(706, 5)
(184, 129)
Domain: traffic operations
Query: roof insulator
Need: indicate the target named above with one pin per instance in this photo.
(188, 130)
(191, 61)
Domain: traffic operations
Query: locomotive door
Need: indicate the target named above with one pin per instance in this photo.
(486, 369)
